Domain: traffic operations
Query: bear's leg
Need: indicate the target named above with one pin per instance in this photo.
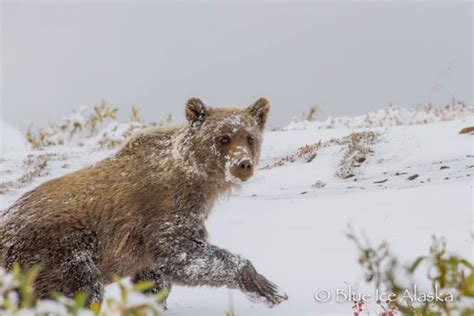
(195, 262)
(75, 272)
(161, 284)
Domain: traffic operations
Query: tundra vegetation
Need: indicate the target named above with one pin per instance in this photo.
(17, 298)
(449, 279)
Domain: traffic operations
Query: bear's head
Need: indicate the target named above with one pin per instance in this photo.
(227, 141)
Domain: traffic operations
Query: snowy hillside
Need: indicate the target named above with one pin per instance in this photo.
(398, 182)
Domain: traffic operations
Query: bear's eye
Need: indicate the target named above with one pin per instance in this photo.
(250, 140)
(225, 140)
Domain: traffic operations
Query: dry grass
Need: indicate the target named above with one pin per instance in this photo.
(58, 134)
(306, 153)
(388, 116)
(98, 127)
(311, 116)
(356, 150)
(34, 166)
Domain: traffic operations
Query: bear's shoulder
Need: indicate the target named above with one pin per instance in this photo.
(157, 137)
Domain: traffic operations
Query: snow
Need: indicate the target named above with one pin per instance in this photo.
(290, 220)
(299, 243)
(12, 141)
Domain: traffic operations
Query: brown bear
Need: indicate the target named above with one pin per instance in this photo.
(141, 213)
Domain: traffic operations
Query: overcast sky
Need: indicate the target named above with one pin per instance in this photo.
(347, 57)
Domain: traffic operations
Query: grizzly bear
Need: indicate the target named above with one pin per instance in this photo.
(141, 212)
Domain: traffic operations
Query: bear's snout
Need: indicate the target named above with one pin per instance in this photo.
(242, 169)
(245, 170)
(245, 165)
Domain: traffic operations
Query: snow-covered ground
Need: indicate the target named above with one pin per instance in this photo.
(290, 219)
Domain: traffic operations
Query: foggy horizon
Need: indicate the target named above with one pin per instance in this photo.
(349, 58)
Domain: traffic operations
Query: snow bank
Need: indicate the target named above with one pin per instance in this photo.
(389, 116)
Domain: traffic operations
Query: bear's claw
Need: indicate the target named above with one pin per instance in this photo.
(259, 289)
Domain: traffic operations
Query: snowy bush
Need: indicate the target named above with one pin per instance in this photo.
(96, 127)
(357, 147)
(17, 299)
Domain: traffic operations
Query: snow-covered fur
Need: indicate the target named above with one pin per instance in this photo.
(141, 213)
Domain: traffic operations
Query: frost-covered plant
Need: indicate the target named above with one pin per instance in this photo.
(449, 276)
(133, 301)
(357, 149)
(82, 121)
(17, 299)
(99, 126)
(304, 153)
(390, 116)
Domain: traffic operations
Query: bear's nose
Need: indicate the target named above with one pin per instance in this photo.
(245, 165)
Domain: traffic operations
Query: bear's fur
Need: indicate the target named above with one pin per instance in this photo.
(141, 212)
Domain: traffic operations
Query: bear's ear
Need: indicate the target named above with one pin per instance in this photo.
(196, 111)
(260, 110)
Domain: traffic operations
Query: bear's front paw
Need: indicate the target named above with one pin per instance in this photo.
(259, 289)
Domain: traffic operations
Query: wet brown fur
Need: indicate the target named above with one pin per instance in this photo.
(141, 212)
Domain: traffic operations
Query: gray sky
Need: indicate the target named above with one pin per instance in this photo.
(348, 57)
